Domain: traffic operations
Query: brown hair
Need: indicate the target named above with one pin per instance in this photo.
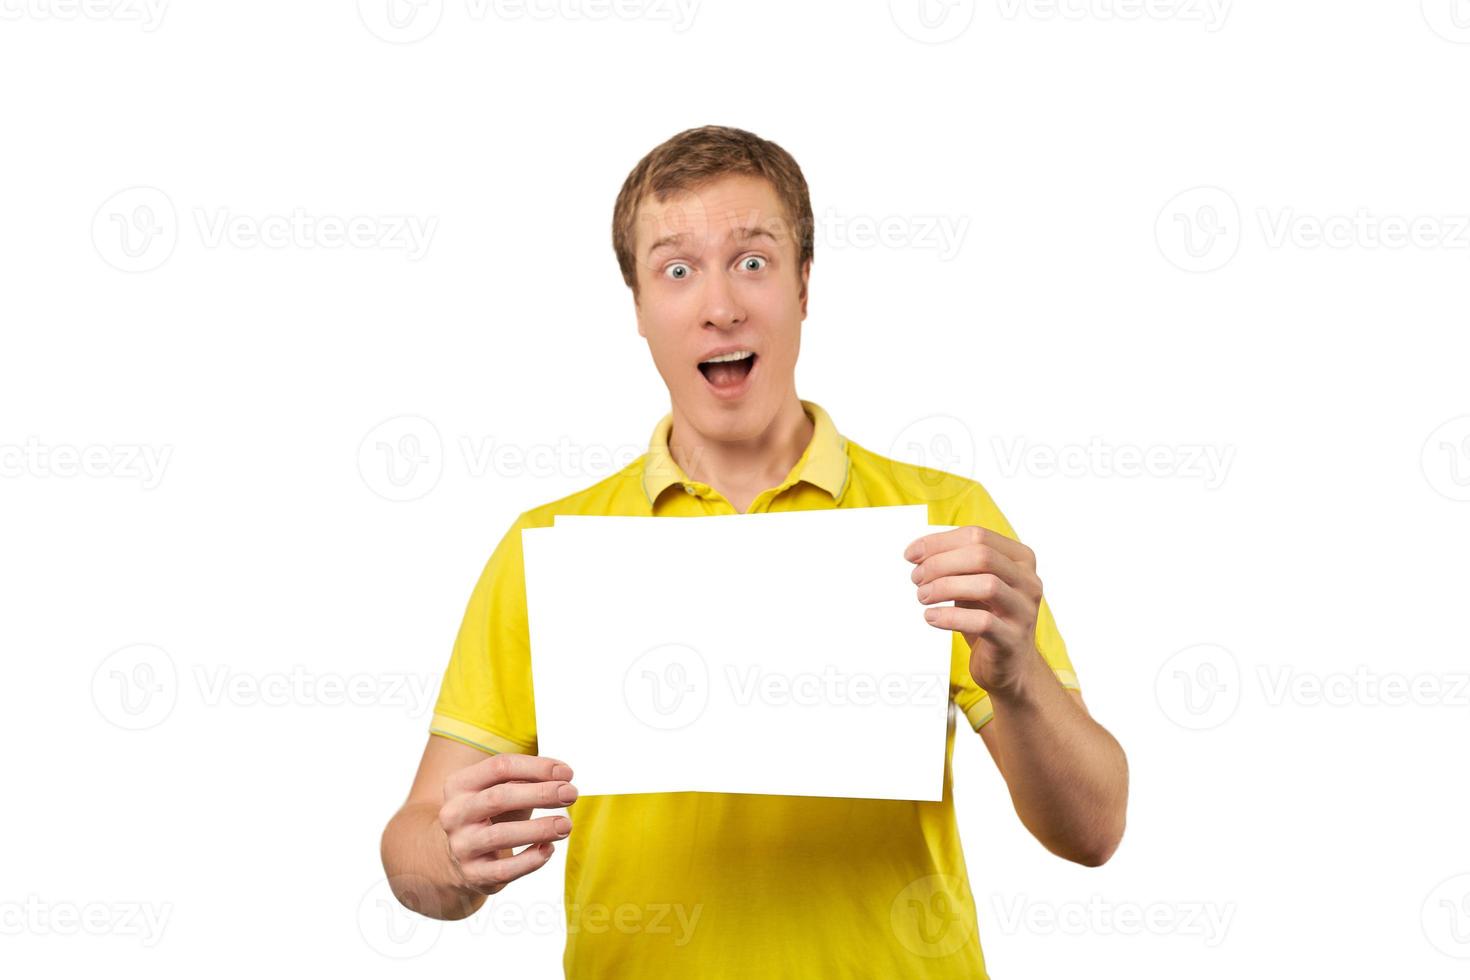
(694, 157)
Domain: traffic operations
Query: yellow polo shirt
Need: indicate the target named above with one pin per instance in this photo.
(707, 885)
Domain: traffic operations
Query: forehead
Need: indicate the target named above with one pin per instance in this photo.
(726, 208)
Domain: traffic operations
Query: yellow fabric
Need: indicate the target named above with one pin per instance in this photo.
(706, 885)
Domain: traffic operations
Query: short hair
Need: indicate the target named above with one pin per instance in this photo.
(695, 157)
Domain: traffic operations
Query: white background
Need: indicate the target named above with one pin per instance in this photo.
(1097, 304)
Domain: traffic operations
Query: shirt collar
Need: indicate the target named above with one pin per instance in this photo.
(824, 462)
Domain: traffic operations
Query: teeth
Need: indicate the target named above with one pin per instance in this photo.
(738, 355)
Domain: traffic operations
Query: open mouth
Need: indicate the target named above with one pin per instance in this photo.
(729, 372)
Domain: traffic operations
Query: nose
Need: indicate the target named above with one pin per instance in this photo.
(722, 306)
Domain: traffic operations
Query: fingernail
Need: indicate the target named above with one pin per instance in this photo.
(923, 592)
(561, 771)
(913, 551)
(567, 793)
(563, 826)
(914, 575)
(931, 614)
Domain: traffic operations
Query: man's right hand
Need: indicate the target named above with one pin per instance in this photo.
(486, 815)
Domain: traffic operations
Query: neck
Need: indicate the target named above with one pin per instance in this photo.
(741, 469)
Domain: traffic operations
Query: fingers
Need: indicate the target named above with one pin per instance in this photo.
(505, 797)
(491, 874)
(980, 623)
(929, 544)
(971, 558)
(985, 591)
(506, 766)
(477, 840)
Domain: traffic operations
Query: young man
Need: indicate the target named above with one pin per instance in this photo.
(713, 232)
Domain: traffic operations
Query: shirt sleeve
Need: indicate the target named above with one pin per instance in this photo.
(485, 699)
(975, 506)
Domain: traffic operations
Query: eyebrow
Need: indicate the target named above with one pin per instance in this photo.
(741, 234)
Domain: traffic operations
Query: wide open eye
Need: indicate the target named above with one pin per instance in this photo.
(760, 261)
(677, 270)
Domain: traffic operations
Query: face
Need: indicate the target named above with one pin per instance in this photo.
(717, 273)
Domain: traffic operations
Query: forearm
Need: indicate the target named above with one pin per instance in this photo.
(420, 869)
(1068, 777)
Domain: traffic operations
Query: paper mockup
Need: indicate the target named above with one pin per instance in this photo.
(775, 653)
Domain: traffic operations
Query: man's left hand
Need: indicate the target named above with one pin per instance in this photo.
(992, 580)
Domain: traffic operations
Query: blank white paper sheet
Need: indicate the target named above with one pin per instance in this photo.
(747, 653)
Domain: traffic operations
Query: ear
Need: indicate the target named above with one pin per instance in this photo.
(806, 274)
